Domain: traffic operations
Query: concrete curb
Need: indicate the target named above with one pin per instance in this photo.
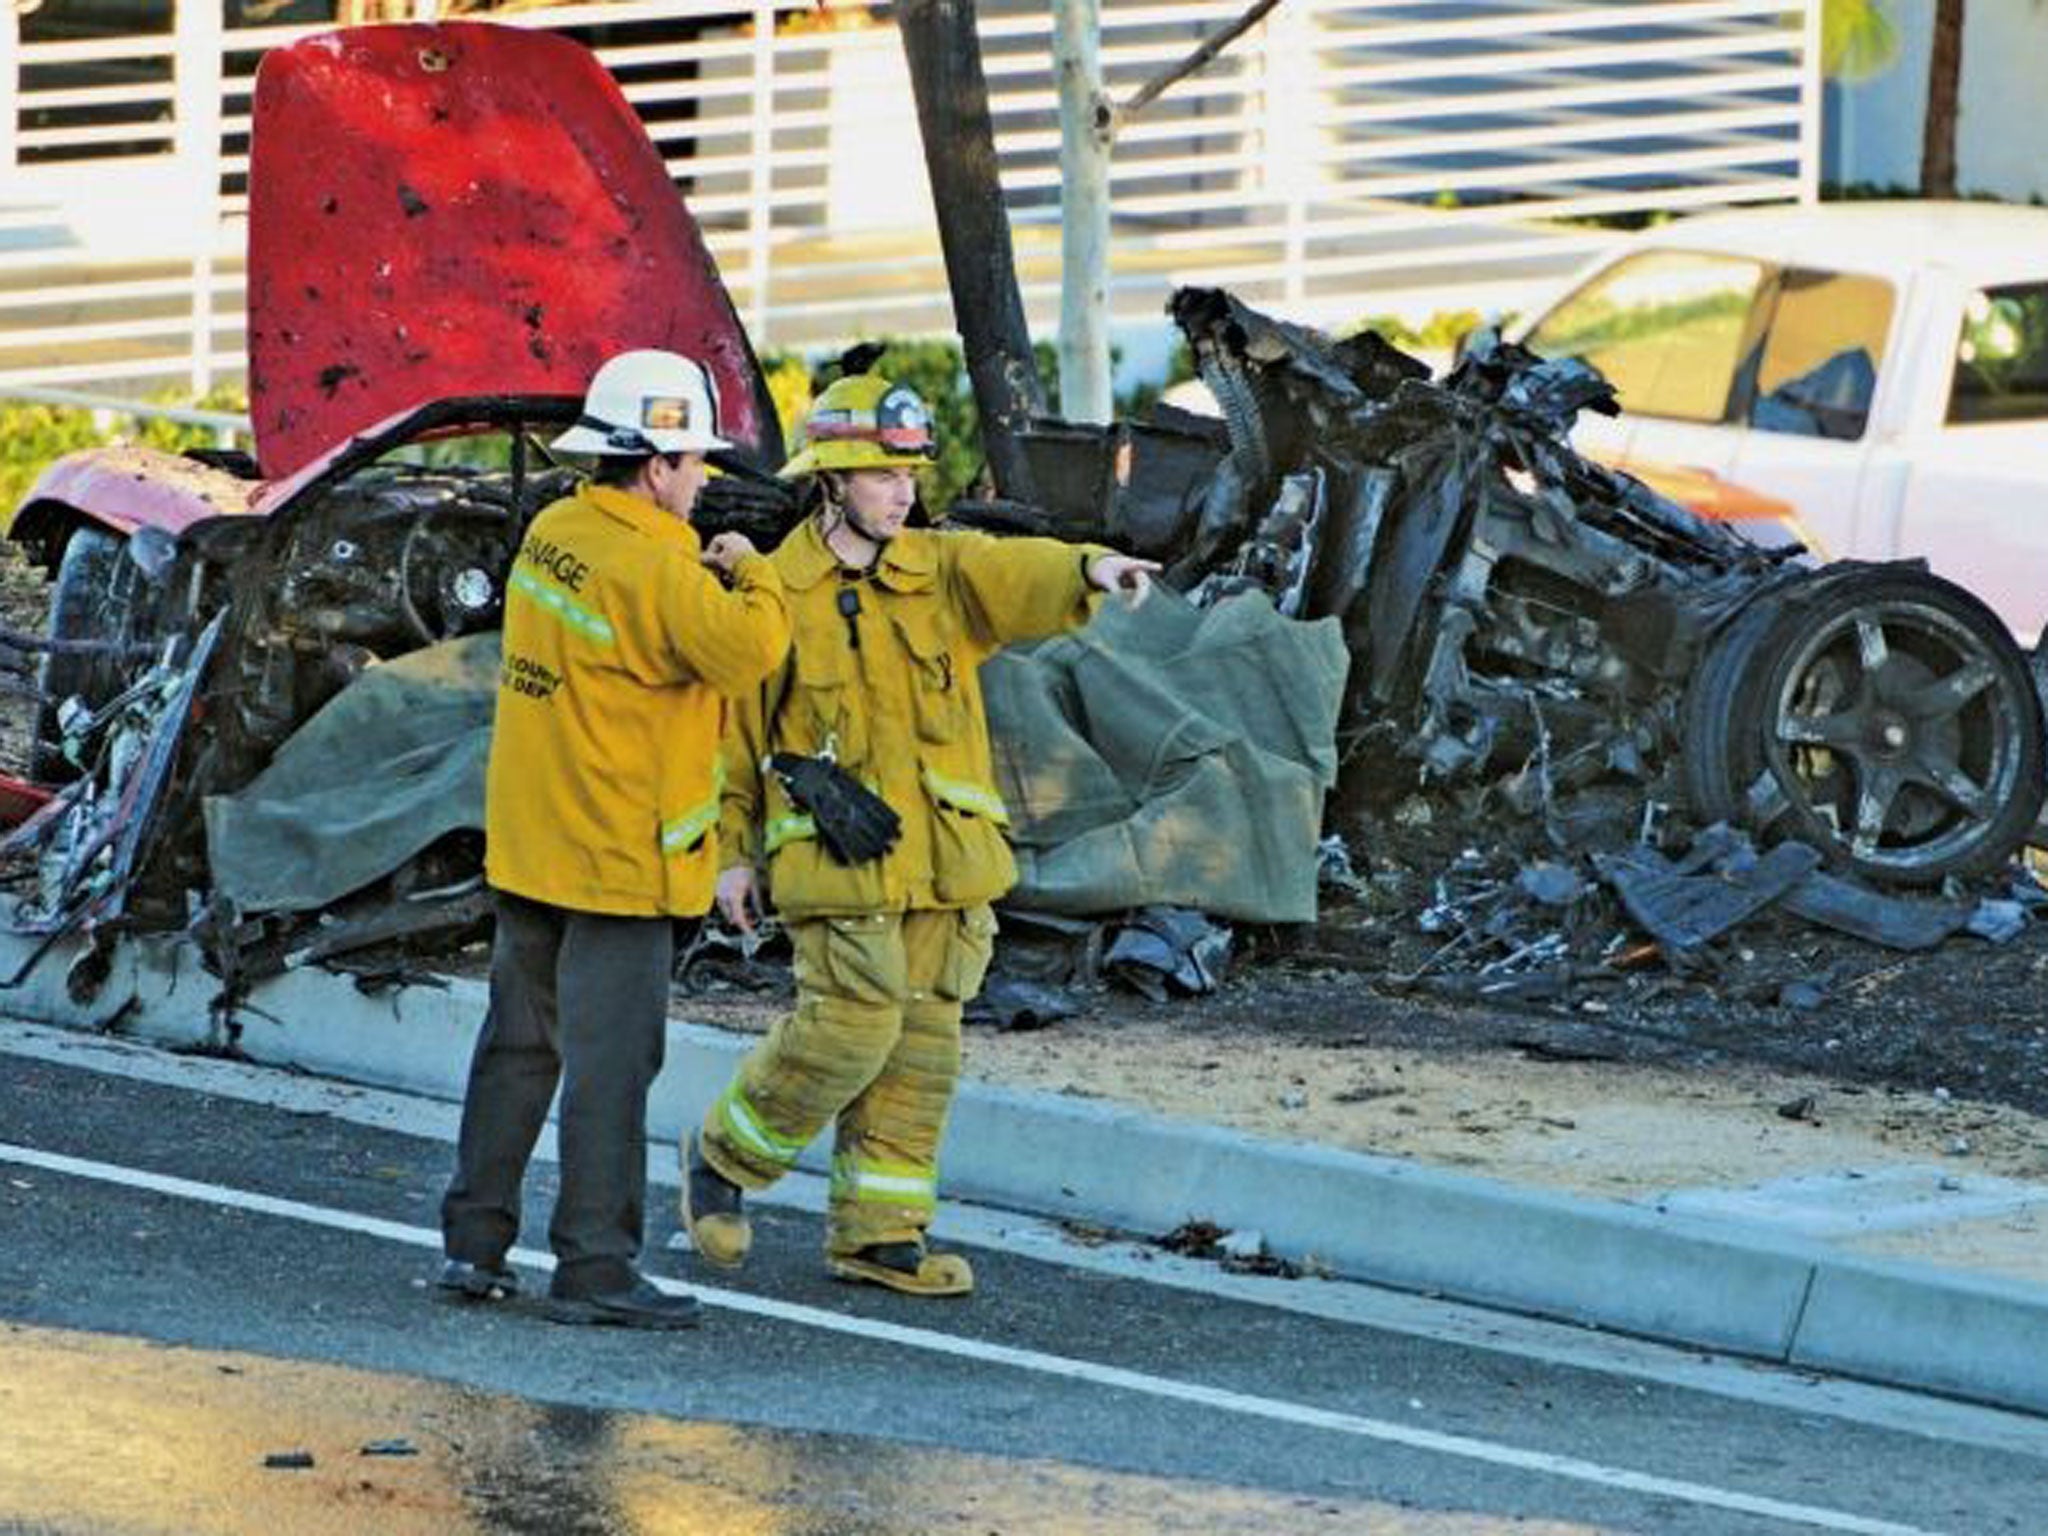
(1688, 1280)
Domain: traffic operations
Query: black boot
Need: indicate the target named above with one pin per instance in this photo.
(712, 1211)
(638, 1305)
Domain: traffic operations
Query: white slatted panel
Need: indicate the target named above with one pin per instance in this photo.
(1337, 155)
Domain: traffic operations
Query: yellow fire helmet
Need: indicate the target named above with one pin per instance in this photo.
(865, 422)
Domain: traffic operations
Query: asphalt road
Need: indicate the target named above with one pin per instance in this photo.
(278, 1219)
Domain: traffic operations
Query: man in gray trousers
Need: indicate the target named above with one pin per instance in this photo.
(601, 812)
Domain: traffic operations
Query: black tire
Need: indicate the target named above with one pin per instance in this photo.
(1718, 759)
(1897, 724)
(2037, 663)
(95, 597)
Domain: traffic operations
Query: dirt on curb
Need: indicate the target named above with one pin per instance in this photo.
(1336, 1064)
(1488, 1093)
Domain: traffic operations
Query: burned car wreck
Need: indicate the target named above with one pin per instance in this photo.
(1523, 618)
(214, 647)
(1528, 633)
(423, 315)
(1621, 719)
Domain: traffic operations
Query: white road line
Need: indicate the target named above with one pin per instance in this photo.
(1337, 1301)
(1276, 1410)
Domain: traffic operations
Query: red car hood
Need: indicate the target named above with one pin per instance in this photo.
(464, 209)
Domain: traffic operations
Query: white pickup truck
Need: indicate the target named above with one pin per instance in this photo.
(1868, 378)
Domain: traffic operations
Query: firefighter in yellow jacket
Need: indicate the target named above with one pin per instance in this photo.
(601, 809)
(878, 707)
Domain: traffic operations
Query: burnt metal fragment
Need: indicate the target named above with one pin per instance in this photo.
(1166, 952)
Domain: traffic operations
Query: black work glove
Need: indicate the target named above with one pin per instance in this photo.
(854, 823)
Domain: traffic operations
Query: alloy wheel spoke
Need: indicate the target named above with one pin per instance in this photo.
(1837, 730)
(1871, 647)
(1947, 778)
(1877, 789)
(1949, 694)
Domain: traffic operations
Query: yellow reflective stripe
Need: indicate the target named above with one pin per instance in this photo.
(967, 797)
(585, 621)
(881, 1186)
(888, 1183)
(689, 829)
(746, 1126)
(787, 829)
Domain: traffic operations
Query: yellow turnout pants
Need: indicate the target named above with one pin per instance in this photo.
(874, 1042)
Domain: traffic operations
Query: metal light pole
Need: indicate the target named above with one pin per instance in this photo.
(1086, 120)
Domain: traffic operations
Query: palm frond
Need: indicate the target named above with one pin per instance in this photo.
(1858, 39)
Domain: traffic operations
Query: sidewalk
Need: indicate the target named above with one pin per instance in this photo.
(1762, 1272)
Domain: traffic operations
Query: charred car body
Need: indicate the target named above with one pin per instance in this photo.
(1516, 615)
(1521, 616)
(423, 315)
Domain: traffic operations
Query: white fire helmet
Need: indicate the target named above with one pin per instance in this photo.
(647, 402)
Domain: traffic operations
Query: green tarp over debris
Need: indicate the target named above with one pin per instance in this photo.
(1166, 755)
(394, 761)
(1170, 756)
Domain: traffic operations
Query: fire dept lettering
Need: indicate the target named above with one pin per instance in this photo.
(524, 675)
(557, 560)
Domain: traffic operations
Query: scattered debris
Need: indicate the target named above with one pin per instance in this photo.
(1011, 1004)
(1088, 1234)
(1242, 1253)
(1998, 921)
(1243, 1245)
(1804, 995)
(1537, 640)
(1168, 951)
(1333, 867)
(1365, 1094)
(292, 1460)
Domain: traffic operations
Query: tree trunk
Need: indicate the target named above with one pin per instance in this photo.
(1944, 93)
(944, 53)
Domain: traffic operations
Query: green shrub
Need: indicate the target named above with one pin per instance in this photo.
(1441, 332)
(31, 436)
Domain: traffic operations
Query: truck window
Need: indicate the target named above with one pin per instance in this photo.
(1818, 370)
(2002, 359)
(1665, 327)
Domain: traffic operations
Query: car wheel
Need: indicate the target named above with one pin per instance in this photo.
(94, 598)
(1896, 727)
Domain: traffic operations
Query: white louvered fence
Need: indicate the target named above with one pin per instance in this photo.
(1338, 157)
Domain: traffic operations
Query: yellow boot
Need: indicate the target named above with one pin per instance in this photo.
(906, 1267)
(712, 1214)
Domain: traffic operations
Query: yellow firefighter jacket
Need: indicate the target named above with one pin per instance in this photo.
(602, 792)
(892, 690)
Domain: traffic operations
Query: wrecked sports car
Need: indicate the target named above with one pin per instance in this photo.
(1521, 617)
(1515, 616)
(422, 316)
